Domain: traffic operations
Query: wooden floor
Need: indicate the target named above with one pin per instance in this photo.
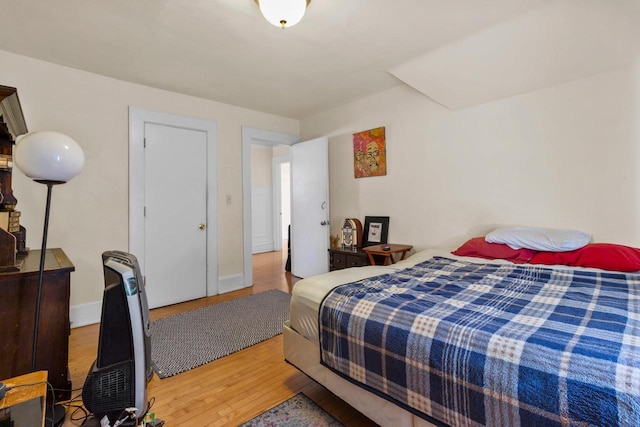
(228, 391)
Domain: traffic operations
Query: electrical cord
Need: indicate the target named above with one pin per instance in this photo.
(79, 412)
(85, 415)
(51, 421)
(127, 413)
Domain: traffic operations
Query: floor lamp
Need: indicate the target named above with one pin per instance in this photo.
(49, 158)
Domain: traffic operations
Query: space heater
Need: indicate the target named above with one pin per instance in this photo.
(118, 378)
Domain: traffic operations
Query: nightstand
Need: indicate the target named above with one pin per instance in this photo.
(387, 254)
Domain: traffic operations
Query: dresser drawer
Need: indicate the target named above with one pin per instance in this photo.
(345, 258)
(338, 261)
(356, 261)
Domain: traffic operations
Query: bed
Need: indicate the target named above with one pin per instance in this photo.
(490, 342)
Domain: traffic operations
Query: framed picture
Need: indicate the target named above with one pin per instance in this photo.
(370, 153)
(376, 230)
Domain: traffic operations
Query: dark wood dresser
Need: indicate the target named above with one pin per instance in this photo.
(344, 258)
(18, 292)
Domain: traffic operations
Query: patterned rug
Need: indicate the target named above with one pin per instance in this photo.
(297, 411)
(191, 339)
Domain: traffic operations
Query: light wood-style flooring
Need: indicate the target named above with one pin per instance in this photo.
(228, 391)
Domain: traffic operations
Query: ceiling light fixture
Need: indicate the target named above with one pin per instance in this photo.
(283, 13)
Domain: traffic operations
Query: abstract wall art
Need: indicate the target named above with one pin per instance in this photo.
(369, 153)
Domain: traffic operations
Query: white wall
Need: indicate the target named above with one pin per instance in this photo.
(261, 199)
(90, 213)
(285, 195)
(564, 156)
(261, 166)
(263, 194)
(262, 239)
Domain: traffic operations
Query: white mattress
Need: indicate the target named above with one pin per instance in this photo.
(308, 293)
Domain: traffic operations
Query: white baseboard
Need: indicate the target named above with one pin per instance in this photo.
(231, 283)
(90, 313)
(263, 247)
(85, 314)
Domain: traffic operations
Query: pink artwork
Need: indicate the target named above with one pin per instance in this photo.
(369, 153)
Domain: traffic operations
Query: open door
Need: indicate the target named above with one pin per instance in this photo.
(310, 207)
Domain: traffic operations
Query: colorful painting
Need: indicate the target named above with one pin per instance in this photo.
(369, 153)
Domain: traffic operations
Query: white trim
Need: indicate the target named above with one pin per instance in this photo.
(137, 119)
(265, 247)
(85, 314)
(231, 283)
(261, 137)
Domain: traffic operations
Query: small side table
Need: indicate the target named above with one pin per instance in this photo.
(25, 389)
(388, 254)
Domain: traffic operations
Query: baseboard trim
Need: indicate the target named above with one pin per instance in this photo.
(231, 283)
(90, 313)
(263, 247)
(85, 314)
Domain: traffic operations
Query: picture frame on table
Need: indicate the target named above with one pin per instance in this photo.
(376, 230)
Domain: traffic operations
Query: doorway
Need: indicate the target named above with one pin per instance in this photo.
(173, 204)
(263, 138)
(270, 197)
(314, 226)
(281, 167)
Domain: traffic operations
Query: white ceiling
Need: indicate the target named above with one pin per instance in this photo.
(555, 43)
(224, 50)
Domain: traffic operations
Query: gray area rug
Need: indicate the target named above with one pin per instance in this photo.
(191, 339)
(297, 411)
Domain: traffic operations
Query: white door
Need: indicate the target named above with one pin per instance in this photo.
(175, 238)
(310, 207)
(145, 176)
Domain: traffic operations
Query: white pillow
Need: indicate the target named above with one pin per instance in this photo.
(539, 239)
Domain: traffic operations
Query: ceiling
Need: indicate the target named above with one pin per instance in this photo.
(224, 50)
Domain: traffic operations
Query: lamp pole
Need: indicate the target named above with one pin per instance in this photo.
(49, 185)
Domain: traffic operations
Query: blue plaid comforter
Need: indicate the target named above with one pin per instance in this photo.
(489, 344)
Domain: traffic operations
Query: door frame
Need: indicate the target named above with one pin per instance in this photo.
(137, 119)
(261, 137)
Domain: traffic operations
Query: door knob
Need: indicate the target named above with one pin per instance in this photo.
(323, 223)
(202, 226)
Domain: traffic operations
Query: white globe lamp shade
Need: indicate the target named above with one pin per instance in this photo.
(283, 13)
(48, 156)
